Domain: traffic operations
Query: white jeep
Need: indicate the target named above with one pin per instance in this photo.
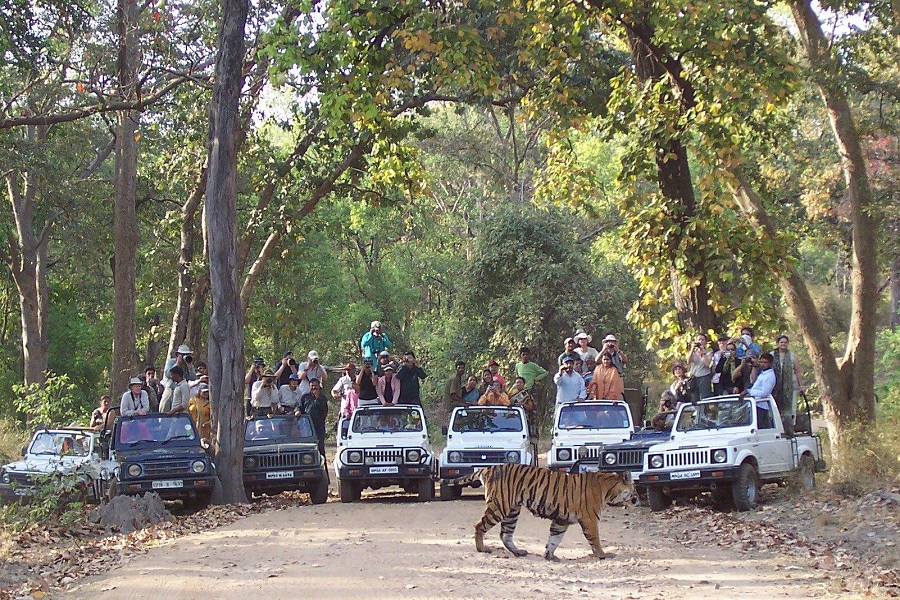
(481, 436)
(380, 446)
(582, 429)
(71, 456)
(730, 446)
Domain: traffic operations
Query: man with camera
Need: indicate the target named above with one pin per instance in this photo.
(183, 359)
(287, 366)
(367, 383)
(699, 359)
(252, 376)
(409, 375)
(309, 370)
(374, 341)
(264, 397)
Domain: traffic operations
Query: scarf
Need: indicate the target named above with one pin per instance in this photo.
(784, 378)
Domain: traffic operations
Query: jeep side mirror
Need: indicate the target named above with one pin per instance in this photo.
(24, 450)
(444, 430)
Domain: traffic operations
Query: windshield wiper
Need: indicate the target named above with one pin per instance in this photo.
(371, 430)
(580, 427)
(176, 437)
(135, 442)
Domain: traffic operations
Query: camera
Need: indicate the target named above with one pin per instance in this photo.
(188, 359)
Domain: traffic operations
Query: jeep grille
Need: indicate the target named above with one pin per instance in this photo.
(687, 457)
(630, 458)
(166, 467)
(387, 456)
(591, 451)
(488, 456)
(275, 461)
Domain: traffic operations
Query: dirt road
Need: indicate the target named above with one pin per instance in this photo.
(388, 546)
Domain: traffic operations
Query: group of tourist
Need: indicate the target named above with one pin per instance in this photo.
(584, 372)
(737, 366)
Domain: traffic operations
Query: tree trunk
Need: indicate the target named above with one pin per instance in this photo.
(27, 260)
(226, 329)
(197, 313)
(895, 280)
(858, 363)
(695, 312)
(182, 314)
(125, 234)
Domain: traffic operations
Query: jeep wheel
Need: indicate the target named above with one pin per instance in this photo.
(658, 500)
(426, 490)
(806, 474)
(450, 492)
(745, 488)
(347, 491)
(319, 492)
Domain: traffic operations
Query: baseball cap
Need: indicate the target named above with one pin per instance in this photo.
(293, 377)
(568, 358)
(259, 360)
(313, 355)
(568, 339)
(384, 353)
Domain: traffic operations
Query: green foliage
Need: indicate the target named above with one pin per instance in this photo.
(54, 403)
(57, 500)
(887, 374)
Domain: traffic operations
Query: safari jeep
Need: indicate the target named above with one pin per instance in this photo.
(160, 453)
(383, 446)
(582, 429)
(730, 446)
(281, 453)
(481, 436)
(70, 457)
(628, 455)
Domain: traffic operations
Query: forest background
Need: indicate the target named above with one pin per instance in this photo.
(477, 175)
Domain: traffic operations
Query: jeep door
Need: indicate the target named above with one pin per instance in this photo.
(772, 449)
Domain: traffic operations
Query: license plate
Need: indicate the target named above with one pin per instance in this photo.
(279, 475)
(173, 483)
(685, 475)
(21, 491)
(383, 470)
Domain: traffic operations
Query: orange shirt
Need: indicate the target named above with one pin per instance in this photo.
(607, 384)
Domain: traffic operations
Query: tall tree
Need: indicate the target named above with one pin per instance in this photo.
(125, 234)
(226, 328)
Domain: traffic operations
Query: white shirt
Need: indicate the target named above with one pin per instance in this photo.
(569, 387)
(343, 384)
(316, 373)
(764, 384)
(264, 397)
(289, 397)
(181, 395)
(584, 354)
(130, 405)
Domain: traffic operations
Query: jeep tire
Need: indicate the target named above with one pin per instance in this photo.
(805, 478)
(349, 490)
(425, 490)
(319, 492)
(745, 488)
(450, 492)
(658, 500)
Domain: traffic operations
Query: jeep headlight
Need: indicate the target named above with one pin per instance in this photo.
(656, 461)
(249, 462)
(306, 459)
(563, 454)
(198, 466)
(609, 458)
(512, 456)
(413, 455)
(354, 456)
(719, 456)
(5, 478)
(134, 470)
(454, 456)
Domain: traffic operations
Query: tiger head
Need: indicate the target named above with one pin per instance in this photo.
(621, 488)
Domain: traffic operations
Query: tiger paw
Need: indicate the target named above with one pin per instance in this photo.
(520, 553)
(604, 555)
(484, 549)
(552, 557)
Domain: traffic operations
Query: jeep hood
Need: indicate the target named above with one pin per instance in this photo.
(48, 464)
(279, 448)
(717, 440)
(581, 437)
(161, 453)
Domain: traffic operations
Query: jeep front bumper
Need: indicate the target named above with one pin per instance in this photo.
(700, 478)
(281, 480)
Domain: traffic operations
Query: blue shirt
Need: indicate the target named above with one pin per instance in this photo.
(372, 345)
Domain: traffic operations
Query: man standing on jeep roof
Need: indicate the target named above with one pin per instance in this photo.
(453, 388)
(286, 367)
(531, 372)
(409, 375)
(309, 370)
(374, 341)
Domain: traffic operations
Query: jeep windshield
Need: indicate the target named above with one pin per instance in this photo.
(387, 420)
(286, 429)
(486, 420)
(60, 444)
(722, 414)
(152, 430)
(577, 415)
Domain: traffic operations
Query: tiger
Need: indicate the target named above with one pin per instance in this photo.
(560, 497)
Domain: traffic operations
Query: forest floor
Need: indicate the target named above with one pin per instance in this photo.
(389, 546)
